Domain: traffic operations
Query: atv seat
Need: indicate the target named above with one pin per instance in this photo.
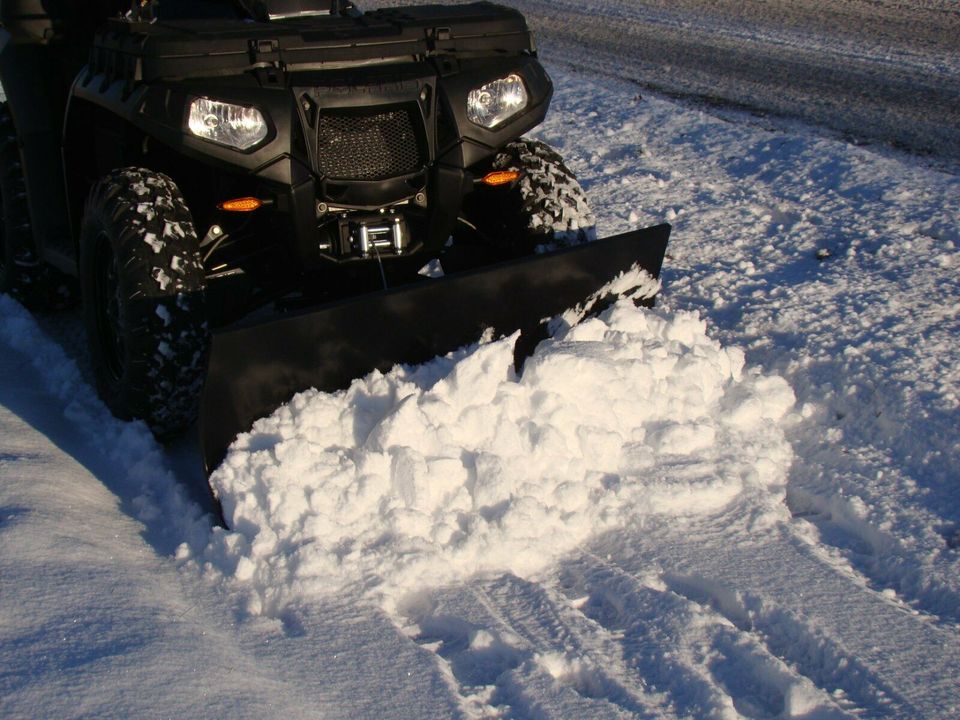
(289, 9)
(173, 10)
(260, 10)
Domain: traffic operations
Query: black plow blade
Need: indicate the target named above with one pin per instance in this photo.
(259, 364)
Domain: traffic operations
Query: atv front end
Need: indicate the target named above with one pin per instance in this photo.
(302, 147)
(269, 194)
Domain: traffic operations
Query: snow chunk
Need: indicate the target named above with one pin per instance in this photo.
(173, 230)
(153, 241)
(163, 280)
(432, 269)
(147, 210)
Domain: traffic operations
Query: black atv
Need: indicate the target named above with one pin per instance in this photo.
(195, 164)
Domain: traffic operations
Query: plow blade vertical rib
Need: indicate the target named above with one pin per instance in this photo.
(257, 365)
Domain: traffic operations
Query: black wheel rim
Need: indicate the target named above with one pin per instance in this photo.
(108, 306)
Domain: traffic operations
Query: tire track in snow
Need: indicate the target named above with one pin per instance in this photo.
(837, 535)
(831, 629)
(639, 646)
(519, 649)
(710, 662)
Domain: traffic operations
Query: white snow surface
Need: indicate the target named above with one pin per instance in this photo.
(742, 503)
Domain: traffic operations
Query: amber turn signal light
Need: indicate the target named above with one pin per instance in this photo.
(500, 177)
(246, 204)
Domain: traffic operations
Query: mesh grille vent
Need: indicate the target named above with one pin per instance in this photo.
(369, 144)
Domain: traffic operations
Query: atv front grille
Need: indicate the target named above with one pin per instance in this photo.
(370, 143)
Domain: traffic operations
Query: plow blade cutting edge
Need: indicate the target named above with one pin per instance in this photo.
(257, 365)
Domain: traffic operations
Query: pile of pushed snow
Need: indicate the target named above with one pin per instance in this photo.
(426, 475)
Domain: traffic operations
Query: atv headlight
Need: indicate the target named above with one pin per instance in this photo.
(235, 126)
(496, 102)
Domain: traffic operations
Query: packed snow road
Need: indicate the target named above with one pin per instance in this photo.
(743, 503)
(875, 70)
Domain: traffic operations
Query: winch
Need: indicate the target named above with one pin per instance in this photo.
(380, 236)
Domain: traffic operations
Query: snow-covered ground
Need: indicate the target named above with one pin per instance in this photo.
(878, 70)
(743, 503)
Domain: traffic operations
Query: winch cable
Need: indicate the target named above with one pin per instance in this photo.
(383, 275)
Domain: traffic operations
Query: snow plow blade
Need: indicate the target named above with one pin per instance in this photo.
(258, 364)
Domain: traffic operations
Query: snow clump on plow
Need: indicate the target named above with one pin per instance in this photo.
(424, 476)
